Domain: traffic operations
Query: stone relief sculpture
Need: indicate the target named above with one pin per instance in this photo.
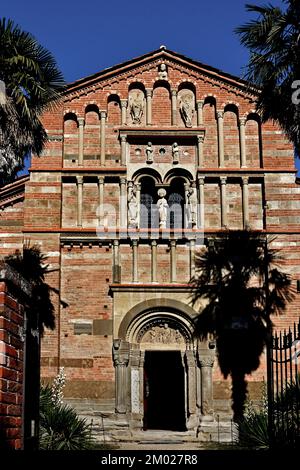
(149, 153)
(187, 109)
(162, 72)
(132, 207)
(163, 334)
(163, 206)
(175, 152)
(192, 206)
(136, 106)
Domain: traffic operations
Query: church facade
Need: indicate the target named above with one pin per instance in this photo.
(145, 161)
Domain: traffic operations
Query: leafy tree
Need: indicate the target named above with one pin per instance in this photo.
(273, 40)
(239, 280)
(30, 82)
(31, 265)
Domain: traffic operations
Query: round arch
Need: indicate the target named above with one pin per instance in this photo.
(178, 173)
(146, 313)
(150, 172)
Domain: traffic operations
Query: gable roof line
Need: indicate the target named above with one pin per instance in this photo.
(214, 72)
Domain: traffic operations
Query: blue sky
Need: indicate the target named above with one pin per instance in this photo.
(88, 35)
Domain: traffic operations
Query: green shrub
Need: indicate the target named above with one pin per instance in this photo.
(60, 426)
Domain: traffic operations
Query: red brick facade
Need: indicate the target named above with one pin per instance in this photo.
(243, 173)
(13, 294)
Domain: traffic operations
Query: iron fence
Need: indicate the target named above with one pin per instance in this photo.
(284, 388)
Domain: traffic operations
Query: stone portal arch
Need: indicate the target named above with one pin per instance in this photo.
(160, 327)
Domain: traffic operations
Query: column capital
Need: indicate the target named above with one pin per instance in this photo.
(200, 139)
(153, 242)
(220, 114)
(103, 114)
(100, 179)
(174, 92)
(123, 180)
(134, 242)
(149, 92)
(201, 180)
(200, 104)
(116, 242)
(123, 138)
(81, 121)
(223, 179)
(124, 103)
(207, 361)
(138, 186)
(79, 179)
(242, 121)
(245, 180)
(173, 243)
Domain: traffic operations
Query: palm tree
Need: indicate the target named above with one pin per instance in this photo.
(273, 40)
(30, 82)
(238, 278)
(30, 264)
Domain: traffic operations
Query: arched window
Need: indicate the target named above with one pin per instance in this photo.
(149, 213)
(176, 204)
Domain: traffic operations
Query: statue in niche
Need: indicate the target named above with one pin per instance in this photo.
(192, 206)
(149, 153)
(136, 107)
(187, 109)
(162, 206)
(175, 152)
(132, 207)
(162, 72)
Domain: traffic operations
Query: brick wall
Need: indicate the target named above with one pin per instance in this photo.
(13, 292)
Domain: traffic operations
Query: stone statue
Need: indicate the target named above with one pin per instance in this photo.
(163, 206)
(136, 108)
(132, 207)
(192, 206)
(162, 72)
(187, 109)
(149, 153)
(175, 152)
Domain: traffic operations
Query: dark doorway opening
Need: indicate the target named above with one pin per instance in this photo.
(164, 398)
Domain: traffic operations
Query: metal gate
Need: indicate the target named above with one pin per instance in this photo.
(283, 388)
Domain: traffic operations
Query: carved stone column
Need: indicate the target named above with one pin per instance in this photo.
(200, 139)
(206, 364)
(123, 112)
(123, 203)
(138, 198)
(123, 150)
(200, 104)
(149, 106)
(191, 389)
(242, 124)
(174, 107)
(102, 136)
(79, 181)
(220, 115)
(223, 181)
(121, 359)
(173, 261)
(201, 201)
(135, 358)
(116, 262)
(245, 189)
(80, 138)
(192, 258)
(135, 277)
(153, 261)
(101, 199)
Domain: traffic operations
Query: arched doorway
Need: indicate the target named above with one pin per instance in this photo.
(164, 391)
(156, 370)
